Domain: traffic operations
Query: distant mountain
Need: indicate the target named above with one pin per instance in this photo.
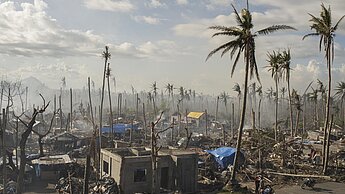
(36, 87)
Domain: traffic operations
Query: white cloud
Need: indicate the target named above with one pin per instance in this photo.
(157, 50)
(182, 2)
(147, 19)
(213, 4)
(156, 4)
(29, 31)
(110, 5)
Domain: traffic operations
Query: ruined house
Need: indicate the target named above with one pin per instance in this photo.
(64, 142)
(197, 118)
(132, 169)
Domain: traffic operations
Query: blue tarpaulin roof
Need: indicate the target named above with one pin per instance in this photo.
(119, 128)
(225, 156)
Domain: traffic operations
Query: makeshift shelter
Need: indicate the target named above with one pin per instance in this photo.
(197, 118)
(225, 156)
(119, 128)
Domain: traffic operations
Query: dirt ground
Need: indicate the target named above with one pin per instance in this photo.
(326, 187)
(41, 186)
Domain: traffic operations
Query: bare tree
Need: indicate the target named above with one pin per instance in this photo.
(22, 144)
(154, 151)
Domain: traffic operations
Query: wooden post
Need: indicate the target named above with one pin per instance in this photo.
(224, 134)
(217, 101)
(253, 120)
(3, 150)
(26, 97)
(71, 107)
(172, 132)
(233, 121)
(144, 117)
(60, 111)
(137, 106)
(206, 121)
(86, 175)
(54, 102)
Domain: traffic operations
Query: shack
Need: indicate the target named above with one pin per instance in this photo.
(197, 118)
(64, 142)
(52, 167)
(131, 169)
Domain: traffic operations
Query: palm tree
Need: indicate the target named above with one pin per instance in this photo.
(259, 91)
(106, 55)
(322, 90)
(243, 42)
(286, 61)
(340, 94)
(323, 28)
(274, 67)
(224, 97)
(237, 89)
(313, 97)
(297, 102)
(110, 104)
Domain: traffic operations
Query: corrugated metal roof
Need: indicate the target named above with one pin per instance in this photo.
(195, 115)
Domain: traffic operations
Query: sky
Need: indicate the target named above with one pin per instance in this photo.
(166, 41)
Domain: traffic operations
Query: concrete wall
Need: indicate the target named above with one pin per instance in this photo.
(180, 170)
(186, 173)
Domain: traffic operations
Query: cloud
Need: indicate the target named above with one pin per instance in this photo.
(110, 5)
(158, 50)
(213, 4)
(182, 2)
(156, 4)
(29, 31)
(48, 71)
(147, 19)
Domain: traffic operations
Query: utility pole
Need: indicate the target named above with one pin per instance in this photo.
(3, 150)
(71, 106)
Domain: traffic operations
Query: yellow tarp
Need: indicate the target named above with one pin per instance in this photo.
(195, 115)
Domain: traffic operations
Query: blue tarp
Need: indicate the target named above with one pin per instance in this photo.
(119, 128)
(225, 156)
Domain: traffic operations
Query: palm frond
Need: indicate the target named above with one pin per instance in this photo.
(311, 34)
(336, 25)
(274, 28)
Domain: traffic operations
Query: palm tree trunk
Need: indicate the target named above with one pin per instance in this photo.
(110, 104)
(343, 109)
(144, 117)
(290, 107)
(259, 114)
(276, 113)
(328, 56)
(325, 165)
(243, 114)
(217, 101)
(101, 109)
(297, 121)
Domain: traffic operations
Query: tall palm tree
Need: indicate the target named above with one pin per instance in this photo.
(243, 42)
(297, 102)
(340, 94)
(106, 55)
(259, 91)
(274, 59)
(237, 89)
(224, 97)
(322, 90)
(313, 97)
(110, 104)
(323, 28)
(286, 61)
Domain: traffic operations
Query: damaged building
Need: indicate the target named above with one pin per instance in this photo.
(132, 169)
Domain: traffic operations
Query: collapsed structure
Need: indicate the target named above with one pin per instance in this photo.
(132, 169)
